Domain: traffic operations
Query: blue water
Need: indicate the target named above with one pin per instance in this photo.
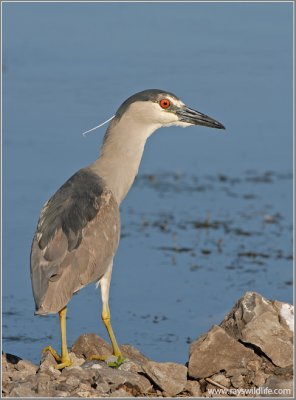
(210, 215)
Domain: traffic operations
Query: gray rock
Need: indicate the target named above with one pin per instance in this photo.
(64, 387)
(193, 388)
(20, 376)
(59, 393)
(85, 390)
(22, 390)
(133, 354)
(133, 359)
(280, 387)
(238, 381)
(260, 378)
(73, 382)
(45, 387)
(217, 351)
(221, 379)
(95, 364)
(254, 365)
(121, 393)
(76, 361)
(252, 348)
(15, 376)
(169, 377)
(236, 371)
(47, 364)
(84, 375)
(116, 379)
(7, 384)
(91, 344)
(26, 366)
(9, 361)
(86, 393)
(263, 324)
(131, 366)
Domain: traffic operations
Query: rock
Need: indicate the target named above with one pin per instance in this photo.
(48, 363)
(71, 369)
(254, 365)
(64, 387)
(90, 344)
(15, 376)
(95, 364)
(238, 381)
(116, 378)
(15, 368)
(22, 390)
(19, 376)
(9, 360)
(86, 390)
(221, 379)
(131, 366)
(60, 393)
(45, 388)
(121, 393)
(132, 354)
(251, 349)
(133, 359)
(279, 387)
(84, 394)
(73, 382)
(264, 324)
(76, 361)
(193, 388)
(286, 314)
(26, 366)
(169, 377)
(260, 378)
(235, 371)
(84, 375)
(217, 351)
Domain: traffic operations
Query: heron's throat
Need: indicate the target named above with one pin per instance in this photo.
(121, 154)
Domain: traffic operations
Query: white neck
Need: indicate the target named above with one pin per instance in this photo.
(121, 154)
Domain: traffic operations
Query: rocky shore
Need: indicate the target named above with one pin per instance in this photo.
(250, 353)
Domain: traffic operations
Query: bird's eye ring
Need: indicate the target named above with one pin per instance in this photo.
(164, 103)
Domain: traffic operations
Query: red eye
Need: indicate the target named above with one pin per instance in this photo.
(164, 103)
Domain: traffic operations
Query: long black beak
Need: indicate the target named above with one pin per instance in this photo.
(194, 117)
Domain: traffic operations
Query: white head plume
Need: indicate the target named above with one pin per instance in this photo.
(98, 126)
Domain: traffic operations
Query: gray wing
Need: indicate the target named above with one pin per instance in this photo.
(76, 238)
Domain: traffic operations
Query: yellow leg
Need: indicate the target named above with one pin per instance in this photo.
(105, 284)
(107, 323)
(63, 360)
(116, 350)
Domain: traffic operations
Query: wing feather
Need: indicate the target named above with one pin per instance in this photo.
(76, 238)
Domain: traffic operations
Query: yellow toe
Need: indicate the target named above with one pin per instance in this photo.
(52, 351)
(63, 364)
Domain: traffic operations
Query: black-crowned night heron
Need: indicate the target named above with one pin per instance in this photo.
(79, 226)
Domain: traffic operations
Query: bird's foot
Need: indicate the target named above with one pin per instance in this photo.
(63, 361)
(113, 361)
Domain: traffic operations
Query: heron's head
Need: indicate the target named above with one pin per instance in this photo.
(160, 108)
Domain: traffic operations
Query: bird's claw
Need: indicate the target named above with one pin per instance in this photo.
(62, 361)
(97, 357)
(113, 361)
(66, 363)
(53, 352)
